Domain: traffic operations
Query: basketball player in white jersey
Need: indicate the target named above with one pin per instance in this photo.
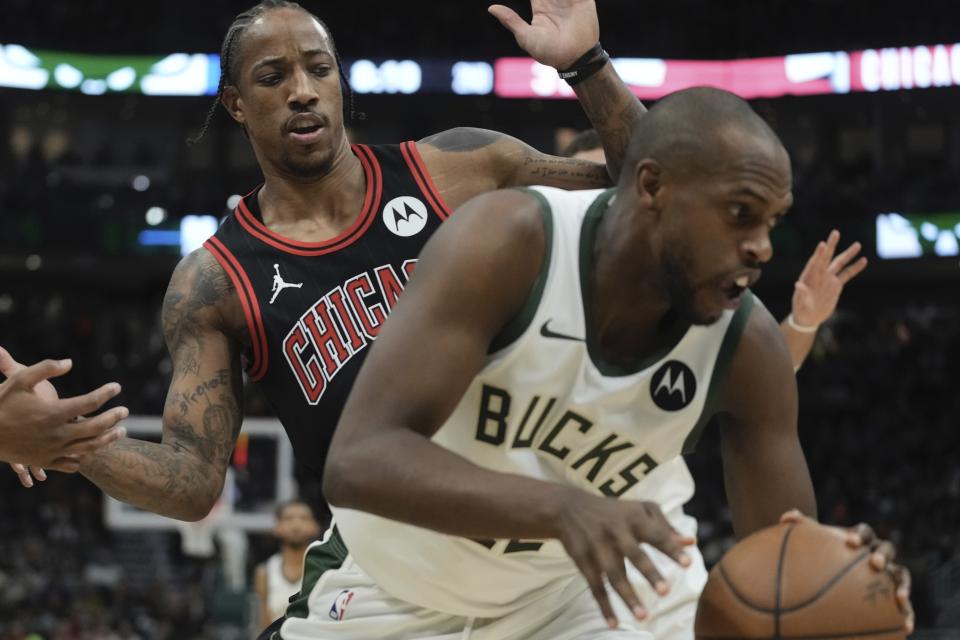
(816, 291)
(555, 351)
(279, 577)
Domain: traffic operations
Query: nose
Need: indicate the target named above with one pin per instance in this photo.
(302, 90)
(756, 247)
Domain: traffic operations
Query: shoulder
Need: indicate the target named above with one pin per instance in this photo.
(463, 139)
(505, 216)
(201, 289)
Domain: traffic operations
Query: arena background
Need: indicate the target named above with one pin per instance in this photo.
(83, 176)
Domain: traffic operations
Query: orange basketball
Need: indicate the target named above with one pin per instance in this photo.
(798, 580)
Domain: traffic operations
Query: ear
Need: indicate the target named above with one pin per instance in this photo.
(231, 101)
(648, 184)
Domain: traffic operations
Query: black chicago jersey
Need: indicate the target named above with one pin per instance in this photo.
(312, 309)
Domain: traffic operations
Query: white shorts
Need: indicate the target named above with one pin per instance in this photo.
(346, 604)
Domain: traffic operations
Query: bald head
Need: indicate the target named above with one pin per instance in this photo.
(697, 130)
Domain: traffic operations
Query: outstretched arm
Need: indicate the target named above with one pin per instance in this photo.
(38, 429)
(183, 475)
(816, 294)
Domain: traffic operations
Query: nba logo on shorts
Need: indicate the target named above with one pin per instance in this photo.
(339, 608)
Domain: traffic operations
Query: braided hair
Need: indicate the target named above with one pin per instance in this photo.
(228, 56)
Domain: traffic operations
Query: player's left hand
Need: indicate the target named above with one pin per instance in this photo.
(882, 559)
(818, 288)
(560, 32)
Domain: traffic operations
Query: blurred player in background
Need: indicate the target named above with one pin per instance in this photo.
(279, 577)
(40, 429)
(817, 290)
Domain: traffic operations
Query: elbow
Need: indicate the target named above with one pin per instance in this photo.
(342, 485)
(197, 505)
(336, 481)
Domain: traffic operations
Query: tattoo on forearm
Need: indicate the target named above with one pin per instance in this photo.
(581, 172)
(185, 399)
(613, 111)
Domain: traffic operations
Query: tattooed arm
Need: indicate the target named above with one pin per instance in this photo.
(183, 475)
(465, 162)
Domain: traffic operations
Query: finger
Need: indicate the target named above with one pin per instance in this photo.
(852, 271)
(89, 445)
(793, 516)
(814, 261)
(901, 576)
(87, 403)
(860, 535)
(25, 479)
(617, 577)
(832, 241)
(841, 260)
(508, 18)
(594, 576)
(95, 426)
(38, 473)
(645, 566)
(30, 376)
(883, 555)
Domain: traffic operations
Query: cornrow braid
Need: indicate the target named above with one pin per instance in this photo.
(227, 62)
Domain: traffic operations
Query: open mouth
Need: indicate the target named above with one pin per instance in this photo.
(306, 129)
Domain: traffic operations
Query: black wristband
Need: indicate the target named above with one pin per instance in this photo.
(585, 66)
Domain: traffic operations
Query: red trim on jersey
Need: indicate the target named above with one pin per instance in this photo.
(423, 179)
(371, 203)
(251, 308)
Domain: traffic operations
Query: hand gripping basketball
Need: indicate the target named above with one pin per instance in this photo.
(882, 559)
(599, 534)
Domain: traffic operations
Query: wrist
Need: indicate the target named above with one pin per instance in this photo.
(801, 327)
(585, 66)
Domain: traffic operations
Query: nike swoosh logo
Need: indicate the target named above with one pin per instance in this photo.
(546, 333)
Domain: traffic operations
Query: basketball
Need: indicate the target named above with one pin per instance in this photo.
(798, 580)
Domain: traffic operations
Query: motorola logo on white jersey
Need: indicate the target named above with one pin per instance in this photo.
(405, 216)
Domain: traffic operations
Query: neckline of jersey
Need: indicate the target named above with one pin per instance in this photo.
(588, 236)
(248, 211)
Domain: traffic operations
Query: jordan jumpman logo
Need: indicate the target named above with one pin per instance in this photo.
(279, 285)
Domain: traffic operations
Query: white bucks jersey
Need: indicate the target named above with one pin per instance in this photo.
(547, 406)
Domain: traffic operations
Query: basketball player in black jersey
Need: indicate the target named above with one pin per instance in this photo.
(296, 284)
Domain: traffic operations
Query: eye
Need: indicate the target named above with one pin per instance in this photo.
(269, 80)
(321, 70)
(739, 212)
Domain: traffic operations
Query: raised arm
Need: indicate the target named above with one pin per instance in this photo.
(466, 161)
(764, 469)
(816, 294)
(183, 475)
(561, 34)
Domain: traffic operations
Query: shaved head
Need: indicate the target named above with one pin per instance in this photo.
(696, 130)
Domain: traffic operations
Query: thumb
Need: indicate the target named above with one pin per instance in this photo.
(8, 366)
(35, 374)
(508, 18)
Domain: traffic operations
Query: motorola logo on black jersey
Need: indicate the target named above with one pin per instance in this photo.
(673, 386)
(405, 216)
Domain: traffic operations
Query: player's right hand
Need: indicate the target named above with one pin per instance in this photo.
(38, 429)
(600, 533)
